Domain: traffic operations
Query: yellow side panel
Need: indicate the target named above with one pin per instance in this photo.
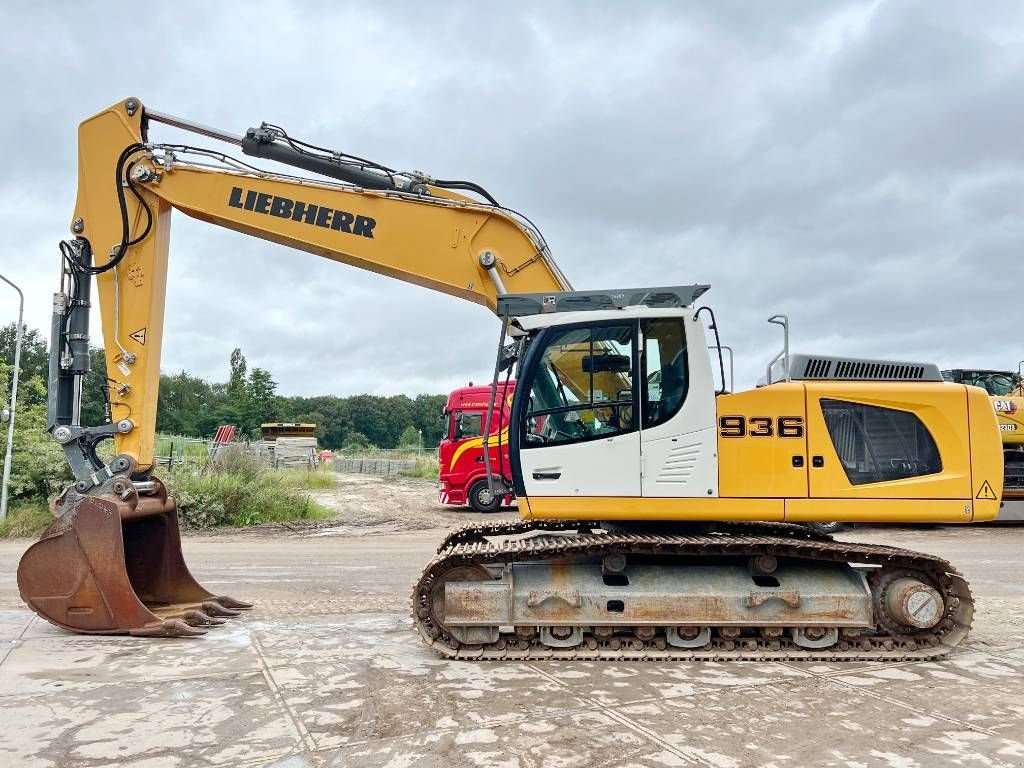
(760, 462)
(879, 510)
(636, 508)
(941, 407)
(986, 454)
(525, 510)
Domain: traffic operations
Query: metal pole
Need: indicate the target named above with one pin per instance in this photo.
(782, 320)
(14, 400)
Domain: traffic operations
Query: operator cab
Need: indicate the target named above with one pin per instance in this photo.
(598, 387)
(996, 383)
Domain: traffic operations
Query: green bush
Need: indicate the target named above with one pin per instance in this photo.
(426, 468)
(356, 441)
(241, 494)
(410, 438)
(26, 519)
(38, 466)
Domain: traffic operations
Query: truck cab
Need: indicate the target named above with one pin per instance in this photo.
(462, 469)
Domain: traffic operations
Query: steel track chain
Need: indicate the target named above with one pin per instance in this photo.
(477, 532)
(469, 547)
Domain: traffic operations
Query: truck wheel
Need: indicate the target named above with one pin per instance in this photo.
(482, 498)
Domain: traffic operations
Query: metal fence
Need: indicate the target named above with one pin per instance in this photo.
(372, 466)
(380, 461)
(175, 451)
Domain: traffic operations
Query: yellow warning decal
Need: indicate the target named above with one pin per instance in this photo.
(986, 492)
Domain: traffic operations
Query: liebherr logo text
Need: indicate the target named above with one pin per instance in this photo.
(296, 210)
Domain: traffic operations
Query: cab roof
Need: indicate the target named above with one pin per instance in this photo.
(476, 396)
(534, 322)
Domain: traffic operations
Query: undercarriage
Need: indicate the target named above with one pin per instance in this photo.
(752, 591)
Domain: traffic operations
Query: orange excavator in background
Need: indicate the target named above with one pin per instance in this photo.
(656, 506)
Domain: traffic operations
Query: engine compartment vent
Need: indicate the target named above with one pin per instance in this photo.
(824, 367)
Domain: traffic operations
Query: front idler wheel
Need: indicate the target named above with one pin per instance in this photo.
(907, 603)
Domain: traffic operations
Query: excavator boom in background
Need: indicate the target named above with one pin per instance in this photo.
(655, 506)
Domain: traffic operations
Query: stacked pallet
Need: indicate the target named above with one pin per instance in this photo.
(295, 452)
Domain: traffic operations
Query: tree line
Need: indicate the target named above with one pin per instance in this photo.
(191, 406)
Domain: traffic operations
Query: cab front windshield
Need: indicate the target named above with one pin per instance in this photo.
(583, 386)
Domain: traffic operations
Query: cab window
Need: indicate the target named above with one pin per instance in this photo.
(468, 424)
(582, 387)
(666, 369)
(996, 384)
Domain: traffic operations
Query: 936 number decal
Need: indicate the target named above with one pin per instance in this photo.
(761, 426)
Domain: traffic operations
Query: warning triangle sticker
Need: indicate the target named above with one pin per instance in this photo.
(986, 492)
(139, 336)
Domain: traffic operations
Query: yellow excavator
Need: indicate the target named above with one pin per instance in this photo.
(656, 508)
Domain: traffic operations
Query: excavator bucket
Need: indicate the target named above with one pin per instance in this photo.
(113, 566)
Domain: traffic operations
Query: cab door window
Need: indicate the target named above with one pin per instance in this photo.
(666, 369)
(582, 387)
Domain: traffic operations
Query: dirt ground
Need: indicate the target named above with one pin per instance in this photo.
(327, 671)
(374, 504)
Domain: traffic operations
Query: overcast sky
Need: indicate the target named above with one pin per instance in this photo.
(857, 166)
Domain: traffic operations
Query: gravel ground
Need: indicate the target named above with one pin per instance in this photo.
(326, 671)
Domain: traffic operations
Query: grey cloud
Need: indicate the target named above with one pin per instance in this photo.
(854, 165)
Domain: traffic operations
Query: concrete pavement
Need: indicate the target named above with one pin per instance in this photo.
(327, 672)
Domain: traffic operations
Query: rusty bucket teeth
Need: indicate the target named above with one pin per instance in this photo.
(214, 608)
(109, 565)
(232, 603)
(167, 628)
(196, 618)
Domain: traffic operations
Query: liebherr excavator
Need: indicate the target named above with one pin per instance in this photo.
(656, 508)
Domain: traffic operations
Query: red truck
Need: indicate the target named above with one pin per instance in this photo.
(463, 474)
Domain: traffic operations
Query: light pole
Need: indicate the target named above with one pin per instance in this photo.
(14, 400)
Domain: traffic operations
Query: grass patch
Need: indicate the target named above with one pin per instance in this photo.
(425, 468)
(243, 494)
(314, 479)
(25, 519)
